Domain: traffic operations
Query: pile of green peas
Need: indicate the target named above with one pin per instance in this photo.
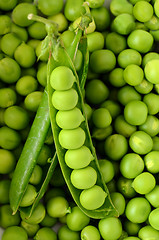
(121, 105)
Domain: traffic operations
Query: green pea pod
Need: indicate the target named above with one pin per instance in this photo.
(31, 150)
(107, 209)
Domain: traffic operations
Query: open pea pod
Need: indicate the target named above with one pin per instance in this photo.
(107, 209)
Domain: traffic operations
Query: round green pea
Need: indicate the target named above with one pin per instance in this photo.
(45, 233)
(122, 127)
(83, 178)
(133, 74)
(90, 232)
(129, 56)
(29, 196)
(140, 142)
(8, 97)
(144, 183)
(148, 232)
(101, 118)
(57, 207)
(7, 161)
(139, 14)
(118, 201)
(93, 198)
(37, 216)
(69, 119)
(32, 100)
(26, 85)
(126, 94)
(154, 218)
(65, 100)
(5, 23)
(15, 233)
(151, 161)
(152, 101)
(107, 169)
(65, 233)
(31, 229)
(72, 138)
(16, 117)
(36, 175)
(144, 87)
(152, 70)
(78, 158)
(4, 191)
(106, 225)
(153, 196)
(62, 78)
(9, 138)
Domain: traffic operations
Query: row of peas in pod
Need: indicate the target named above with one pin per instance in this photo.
(122, 93)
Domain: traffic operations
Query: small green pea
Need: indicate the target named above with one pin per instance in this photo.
(32, 100)
(69, 119)
(9, 138)
(7, 161)
(65, 233)
(31, 229)
(7, 218)
(72, 138)
(83, 178)
(90, 232)
(65, 100)
(62, 78)
(101, 117)
(57, 207)
(45, 233)
(15, 233)
(93, 198)
(26, 85)
(78, 158)
(29, 196)
(107, 169)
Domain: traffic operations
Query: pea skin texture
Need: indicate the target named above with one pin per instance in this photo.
(65, 100)
(83, 178)
(96, 193)
(15, 233)
(62, 78)
(78, 158)
(69, 119)
(72, 138)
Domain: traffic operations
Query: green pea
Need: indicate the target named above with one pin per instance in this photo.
(88, 111)
(9, 70)
(153, 218)
(48, 221)
(131, 165)
(4, 191)
(50, 7)
(37, 216)
(156, 4)
(123, 24)
(72, 138)
(102, 133)
(116, 146)
(62, 78)
(83, 178)
(57, 207)
(148, 57)
(129, 56)
(29, 196)
(151, 100)
(140, 142)
(133, 74)
(64, 233)
(135, 112)
(26, 85)
(7, 161)
(123, 127)
(127, 94)
(131, 228)
(37, 30)
(5, 23)
(16, 117)
(144, 87)
(102, 61)
(115, 42)
(155, 143)
(107, 169)
(120, 6)
(90, 232)
(116, 77)
(32, 100)
(7, 218)
(20, 14)
(45, 233)
(36, 175)
(78, 158)
(137, 210)
(61, 20)
(151, 161)
(31, 229)
(73, 11)
(67, 38)
(148, 232)
(21, 32)
(101, 17)
(112, 106)
(15, 233)
(140, 40)
(96, 91)
(93, 198)
(25, 55)
(9, 42)
(95, 41)
(9, 138)
(125, 187)
(153, 196)
(101, 118)
(150, 126)
(65, 100)
(151, 71)
(69, 119)
(8, 5)
(118, 201)
(107, 224)
(44, 155)
(76, 220)
(144, 183)
(138, 11)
